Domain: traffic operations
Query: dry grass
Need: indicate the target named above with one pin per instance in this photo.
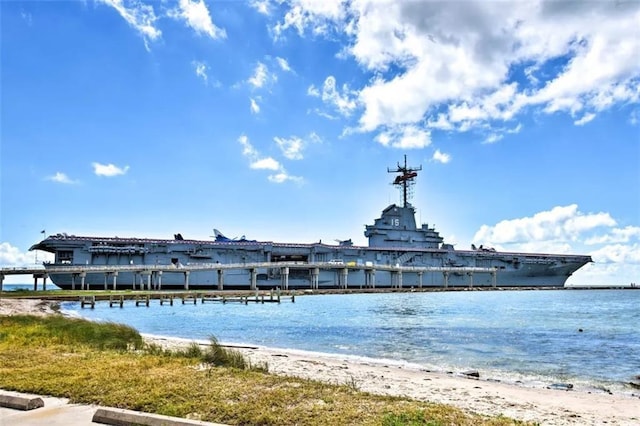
(107, 364)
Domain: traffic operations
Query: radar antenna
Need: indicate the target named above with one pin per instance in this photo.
(405, 180)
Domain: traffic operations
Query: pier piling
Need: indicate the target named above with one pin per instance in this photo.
(189, 297)
(254, 275)
(167, 298)
(118, 300)
(186, 281)
(88, 300)
(142, 300)
(208, 298)
(220, 279)
(44, 281)
(115, 279)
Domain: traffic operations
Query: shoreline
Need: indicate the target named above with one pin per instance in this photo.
(542, 405)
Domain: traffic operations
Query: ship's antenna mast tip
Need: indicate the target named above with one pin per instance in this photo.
(405, 179)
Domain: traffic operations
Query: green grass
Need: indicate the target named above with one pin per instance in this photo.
(108, 364)
(28, 330)
(413, 418)
(215, 355)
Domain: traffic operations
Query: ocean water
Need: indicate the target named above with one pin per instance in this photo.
(29, 287)
(589, 338)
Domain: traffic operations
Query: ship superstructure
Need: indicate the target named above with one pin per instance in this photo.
(397, 247)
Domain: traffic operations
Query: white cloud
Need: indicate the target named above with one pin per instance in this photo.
(515, 129)
(441, 157)
(27, 17)
(258, 162)
(440, 122)
(600, 273)
(61, 178)
(493, 138)
(267, 163)
(264, 75)
(405, 137)
(618, 253)
(615, 251)
(255, 108)
(313, 91)
(201, 70)
(108, 170)
(247, 149)
(12, 256)
(260, 76)
(284, 65)
(324, 114)
(283, 177)
(616, 235)
(313, 14)
(454, 67)
(262, 6)
(585, 119)
(196, 15)
(496, 133)
(291, 148)
(343, 100)
(140, 16)
(562, 223)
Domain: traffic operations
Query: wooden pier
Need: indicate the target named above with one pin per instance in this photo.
(189, 298)
(271, 297)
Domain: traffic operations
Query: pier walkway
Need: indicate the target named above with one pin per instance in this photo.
(185, 298)
(153, 273)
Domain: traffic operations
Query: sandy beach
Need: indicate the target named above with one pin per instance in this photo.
(541, 405)
(27, 306)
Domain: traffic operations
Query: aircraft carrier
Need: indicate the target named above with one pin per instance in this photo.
(399, 253)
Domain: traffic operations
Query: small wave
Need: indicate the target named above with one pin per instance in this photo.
(70, 313)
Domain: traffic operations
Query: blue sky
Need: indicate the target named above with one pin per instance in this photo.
(278, 119)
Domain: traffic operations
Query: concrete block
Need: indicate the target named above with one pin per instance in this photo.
(20, 402)
(122, 417)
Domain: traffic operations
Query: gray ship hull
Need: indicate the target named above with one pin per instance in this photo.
(174, 257)
(328, 281)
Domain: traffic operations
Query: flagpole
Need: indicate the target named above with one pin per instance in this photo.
(36, 250)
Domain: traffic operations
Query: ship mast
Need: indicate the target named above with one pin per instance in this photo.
(405, 179)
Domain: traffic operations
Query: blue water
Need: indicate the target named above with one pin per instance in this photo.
(530, 337)
(16, 287)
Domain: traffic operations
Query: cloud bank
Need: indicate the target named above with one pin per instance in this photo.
(474, 65)
(565, 229)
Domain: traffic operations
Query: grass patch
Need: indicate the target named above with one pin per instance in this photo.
(214, 355)
(28, 330)
(108, 364)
